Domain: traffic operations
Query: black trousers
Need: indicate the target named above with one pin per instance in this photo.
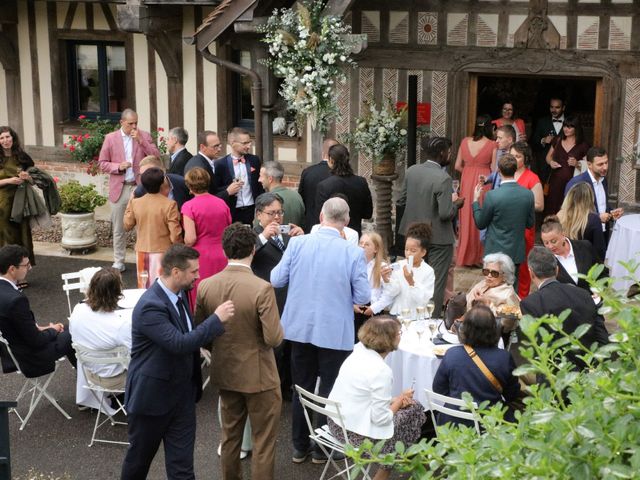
(244, 215)
(309, 362)
(177, 431)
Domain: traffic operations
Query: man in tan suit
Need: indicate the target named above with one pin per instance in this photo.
(243, 365)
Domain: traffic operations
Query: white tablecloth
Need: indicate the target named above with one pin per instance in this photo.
(624, 246)
(130, 297)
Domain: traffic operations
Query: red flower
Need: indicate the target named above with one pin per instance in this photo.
(72, 148)
(86, 135)
(162, 139)
(160, 129)
(64, 145)
(56, 179)
(82, 117)
(79, 139)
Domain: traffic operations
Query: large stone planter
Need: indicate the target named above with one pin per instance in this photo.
(78, 231)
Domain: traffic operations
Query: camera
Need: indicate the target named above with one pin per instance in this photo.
(285, 229)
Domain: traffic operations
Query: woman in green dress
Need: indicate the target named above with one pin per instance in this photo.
(14, 163)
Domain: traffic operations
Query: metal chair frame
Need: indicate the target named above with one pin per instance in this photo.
(69, 284)
(322, 436)
(115, 356)
(36, 386)
(437, 401)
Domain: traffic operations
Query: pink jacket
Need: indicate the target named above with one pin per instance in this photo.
(112, 155)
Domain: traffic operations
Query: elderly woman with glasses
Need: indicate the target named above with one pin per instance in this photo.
(496, 288)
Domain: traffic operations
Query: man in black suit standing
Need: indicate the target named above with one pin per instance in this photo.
(175, 189)
(547, 128)
(176, 141)
(164, 380)
(574, 256)
(343, 180)
(242, 170)
(309, 180)
(36, 348)
(553, 297)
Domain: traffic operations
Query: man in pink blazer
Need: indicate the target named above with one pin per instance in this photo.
(120, 157)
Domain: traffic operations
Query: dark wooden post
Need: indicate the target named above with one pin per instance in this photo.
(5, 451)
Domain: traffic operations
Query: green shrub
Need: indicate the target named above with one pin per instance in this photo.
(581, 425)
(77, 198)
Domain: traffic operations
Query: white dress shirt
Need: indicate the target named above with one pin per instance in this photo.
(382, 296)
(175, 154)
(241, 171)
(557, 126)
(601, 196)
(569, 263)
(129, 176)
(363, 388)
(417, 296)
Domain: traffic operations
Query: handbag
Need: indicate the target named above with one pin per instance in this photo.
(516, 403)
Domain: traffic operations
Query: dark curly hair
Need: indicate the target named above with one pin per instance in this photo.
(24, 160)
(238, 241)
(479, 328)
(420, 232)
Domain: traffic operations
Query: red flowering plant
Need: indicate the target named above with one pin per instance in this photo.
(85, 147)
(160, 138)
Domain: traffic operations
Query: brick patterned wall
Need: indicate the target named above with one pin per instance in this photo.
(631, 108)
(66, 171)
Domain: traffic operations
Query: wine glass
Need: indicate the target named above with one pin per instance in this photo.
(406, 313)
(456, 185)
(433, 326)
(430, 306)
(420, 313)
(144, 278)
(420, 328)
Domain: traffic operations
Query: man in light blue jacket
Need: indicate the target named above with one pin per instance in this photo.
(326, 276)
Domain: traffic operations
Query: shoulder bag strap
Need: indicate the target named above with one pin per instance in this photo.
(483, 368)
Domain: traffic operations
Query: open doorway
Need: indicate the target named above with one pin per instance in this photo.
(530, 96)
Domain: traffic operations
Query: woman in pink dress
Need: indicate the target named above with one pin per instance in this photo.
(474, 159)
(527, 179)
(205, 217)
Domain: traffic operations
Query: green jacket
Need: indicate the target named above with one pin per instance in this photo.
(45, 182)
(292, 205)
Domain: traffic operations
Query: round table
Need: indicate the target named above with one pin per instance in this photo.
(130, 297)
(624, 245)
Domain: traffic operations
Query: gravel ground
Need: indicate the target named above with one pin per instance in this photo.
(103, 229)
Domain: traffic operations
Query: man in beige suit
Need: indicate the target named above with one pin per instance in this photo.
(243, 365)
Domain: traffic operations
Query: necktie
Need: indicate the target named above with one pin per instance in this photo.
(557, 120)
(278, 242)
(236, 160)
(183, 315)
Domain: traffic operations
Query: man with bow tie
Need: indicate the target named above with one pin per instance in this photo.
(244, 168)
(547, 128)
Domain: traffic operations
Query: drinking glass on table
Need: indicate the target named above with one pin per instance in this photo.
(433, 327)
(430, 306)
(420, 313)
(144, 278)
(420, 329)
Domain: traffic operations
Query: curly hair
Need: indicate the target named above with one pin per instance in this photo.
(238, 241)
(379, 333)
(479, 328)
(420, 232)
(105, 289)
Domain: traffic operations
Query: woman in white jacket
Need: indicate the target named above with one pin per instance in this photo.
(363, 388)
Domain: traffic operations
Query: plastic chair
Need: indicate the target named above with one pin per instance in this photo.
(322, 436)
(436, 403)
(115, 356)
(77, 281)
(37, 386)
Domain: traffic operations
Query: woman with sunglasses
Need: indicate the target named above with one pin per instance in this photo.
(496, 288)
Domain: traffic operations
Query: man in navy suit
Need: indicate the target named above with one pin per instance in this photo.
(309, 180)
(240, 169)
(176, 188)
(36, 348)
(176, 141)
(597, 167)
(164, 380)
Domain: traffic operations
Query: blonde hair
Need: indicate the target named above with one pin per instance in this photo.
(151, 160)
(574, 213)
(380, 256)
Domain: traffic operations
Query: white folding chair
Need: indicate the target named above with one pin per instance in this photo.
(36, 386)
(322, 436)
(206, 362)
(436, 403)
(77, 281)
(115, 356)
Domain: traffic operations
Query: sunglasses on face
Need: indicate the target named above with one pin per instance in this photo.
(493, 273)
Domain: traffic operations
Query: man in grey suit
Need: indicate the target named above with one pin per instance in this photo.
(428, 196)
(506, 212)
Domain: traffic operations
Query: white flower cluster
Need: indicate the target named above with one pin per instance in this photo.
(308, 50)
(379, 131)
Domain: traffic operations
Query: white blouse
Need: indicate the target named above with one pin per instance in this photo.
(417, 296)
(363, 388)
(382, 296)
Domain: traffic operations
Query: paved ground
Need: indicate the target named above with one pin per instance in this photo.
(53, 445)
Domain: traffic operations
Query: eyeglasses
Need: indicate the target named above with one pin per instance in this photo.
(277, 213)
(493, 273)
(27, 265)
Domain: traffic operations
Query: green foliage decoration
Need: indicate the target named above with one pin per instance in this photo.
(577, 425)
(77, 198)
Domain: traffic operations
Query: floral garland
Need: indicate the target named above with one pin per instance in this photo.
(308, 50)
(379, 131)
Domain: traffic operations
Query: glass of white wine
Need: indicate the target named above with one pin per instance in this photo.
(420, 328)
(144, 278)
(430, 306)
(420, 313)
(433, 326)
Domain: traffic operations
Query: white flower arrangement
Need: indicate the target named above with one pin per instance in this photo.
(308, 50)
(379, 131)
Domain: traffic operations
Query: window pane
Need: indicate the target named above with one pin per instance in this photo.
(117, 84)
(88, 78)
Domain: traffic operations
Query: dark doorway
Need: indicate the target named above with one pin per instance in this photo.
(531, 95)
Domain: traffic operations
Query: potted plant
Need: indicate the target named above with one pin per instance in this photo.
(77, 213)
(86, 147)
(379, 134)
